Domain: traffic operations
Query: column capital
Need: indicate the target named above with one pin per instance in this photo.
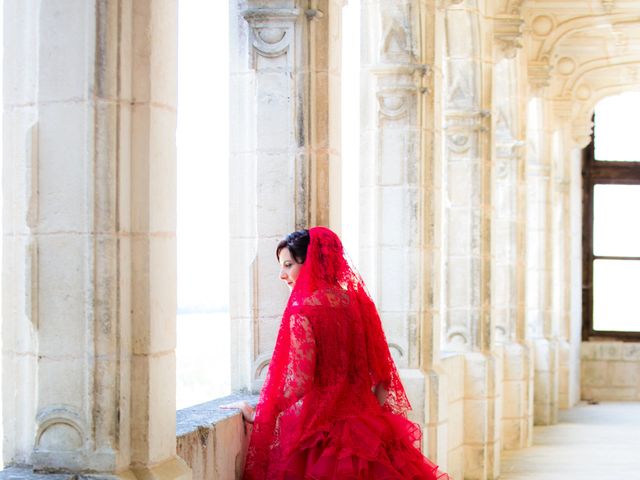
(272, 32)
(539, 75)
(509, 150)
(507, 32)
(582, 133)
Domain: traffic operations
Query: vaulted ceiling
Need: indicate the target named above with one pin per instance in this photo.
(579, 52)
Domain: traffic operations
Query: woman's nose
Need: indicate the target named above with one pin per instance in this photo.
(283, 275)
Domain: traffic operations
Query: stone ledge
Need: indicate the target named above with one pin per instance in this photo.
(212, 441)
(208, 414)
(19, 473)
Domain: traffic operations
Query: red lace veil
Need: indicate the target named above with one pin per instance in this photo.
(330, 348)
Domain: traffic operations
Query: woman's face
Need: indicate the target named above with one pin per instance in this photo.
(289, 268)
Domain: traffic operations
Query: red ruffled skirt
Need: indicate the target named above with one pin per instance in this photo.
(378, 446)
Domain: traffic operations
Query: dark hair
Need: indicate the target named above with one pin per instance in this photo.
(297, 242)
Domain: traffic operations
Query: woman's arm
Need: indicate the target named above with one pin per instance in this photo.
(381, 393)
(302, 358)
(248, 412)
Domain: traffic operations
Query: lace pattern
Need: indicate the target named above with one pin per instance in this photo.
(330, 354)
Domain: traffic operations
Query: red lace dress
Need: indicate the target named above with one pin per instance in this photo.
(318, 416)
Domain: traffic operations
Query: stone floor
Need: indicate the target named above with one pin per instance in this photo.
(589, 442)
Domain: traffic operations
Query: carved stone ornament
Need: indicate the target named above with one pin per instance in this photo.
(582, 134)
(59, 429)
(458, 338)
(539, 75)
(514, 7)
(272, 30)
(508, 34)
(509, 151)
(261, 365)
(394, 103)
(460, 93)
(542, 25)
(460, 128)
(608, 5)
(398, 43)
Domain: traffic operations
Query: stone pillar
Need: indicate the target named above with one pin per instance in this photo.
(575, 309)
(284, 169)
(507, 272)
(396, 180)
(539, 318)
(438, 416)
(560, 253)
(89, 258)
(468, 253)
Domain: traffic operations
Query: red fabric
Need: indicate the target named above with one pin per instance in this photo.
(317, 417)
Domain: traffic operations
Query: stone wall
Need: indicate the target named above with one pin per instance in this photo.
(212, 441)
(610, 371)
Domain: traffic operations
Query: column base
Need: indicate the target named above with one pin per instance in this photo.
(174, 469)
(545, 393)
(517, 414)
(482, 419)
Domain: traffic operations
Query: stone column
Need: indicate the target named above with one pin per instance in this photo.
(390, 179)
(438, 416)
(468, 235)
(284, 169)
(507, 271)
(89, 222)
(561, 254)
(575, 247)
(539, 318)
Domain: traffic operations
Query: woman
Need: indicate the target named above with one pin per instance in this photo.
(332, 406)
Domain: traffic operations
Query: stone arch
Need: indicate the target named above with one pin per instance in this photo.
(597, 65)
(564, 29)
(582, 125)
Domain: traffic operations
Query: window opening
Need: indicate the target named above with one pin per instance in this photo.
(616, 131)
(203, 330)
(611, 226)
(350, 122)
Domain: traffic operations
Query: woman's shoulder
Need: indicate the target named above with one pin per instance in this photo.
(327, 297)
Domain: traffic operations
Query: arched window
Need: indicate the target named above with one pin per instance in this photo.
(203, 338)
(611, 223)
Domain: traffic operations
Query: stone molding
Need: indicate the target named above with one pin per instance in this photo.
(271, 30)
(539, 75)
(508, 34)
(461, 126)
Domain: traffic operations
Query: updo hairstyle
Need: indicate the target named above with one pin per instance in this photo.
(297, 242)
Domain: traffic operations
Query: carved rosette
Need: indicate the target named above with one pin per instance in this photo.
(272, 31)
